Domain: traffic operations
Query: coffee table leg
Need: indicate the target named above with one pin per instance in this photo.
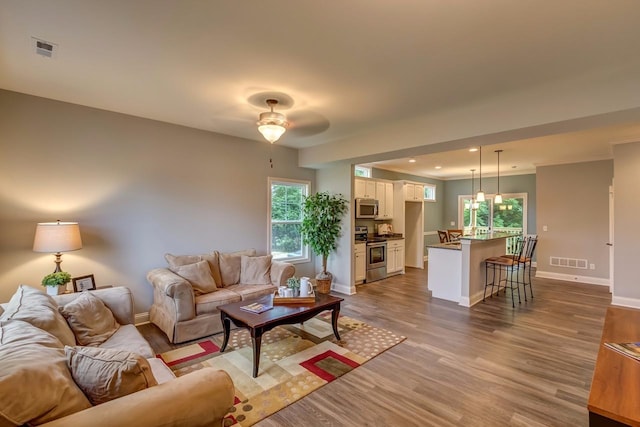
(226, 324)
(335, 313)
(256, 338)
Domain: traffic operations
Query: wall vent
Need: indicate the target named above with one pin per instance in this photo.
(44, 48)
(557, 261)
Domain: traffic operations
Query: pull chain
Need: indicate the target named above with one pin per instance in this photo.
(271, 154)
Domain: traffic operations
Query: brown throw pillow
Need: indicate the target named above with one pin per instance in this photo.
(255, 270)
(199, 275)
(105, 374)
(212, 258)
(230, 266)
(91, 321)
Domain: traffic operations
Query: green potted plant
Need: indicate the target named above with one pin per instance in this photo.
(293, 283)
(55, 282)
(322, 215)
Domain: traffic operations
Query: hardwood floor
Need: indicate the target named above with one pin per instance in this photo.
(490, 365)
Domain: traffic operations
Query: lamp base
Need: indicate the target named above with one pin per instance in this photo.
(58, 261)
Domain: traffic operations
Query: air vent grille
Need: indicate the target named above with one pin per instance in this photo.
(568, 262)
(44, 48)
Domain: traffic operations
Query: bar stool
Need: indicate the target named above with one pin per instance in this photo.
(443, 236)
(454, 235)
(509, 266)
(525, 261)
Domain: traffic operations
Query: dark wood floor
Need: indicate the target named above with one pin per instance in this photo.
(490, 365)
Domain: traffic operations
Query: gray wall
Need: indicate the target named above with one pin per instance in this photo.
(138, 188)
(508, 184)
(573, 202)
(626, 234)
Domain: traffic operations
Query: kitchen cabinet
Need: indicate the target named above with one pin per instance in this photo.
(364, 188)
(395, 256)
(413, 193)
(384, 195)
(360, 262)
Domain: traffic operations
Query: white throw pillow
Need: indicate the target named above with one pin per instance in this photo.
(91, 321)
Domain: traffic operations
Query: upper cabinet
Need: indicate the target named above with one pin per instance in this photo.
(384, 195)
(364, 188)
(413, 192)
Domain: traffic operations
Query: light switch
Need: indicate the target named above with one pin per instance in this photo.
(545, 228)
(453, 223)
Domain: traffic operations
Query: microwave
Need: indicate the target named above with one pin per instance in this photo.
(366, 208)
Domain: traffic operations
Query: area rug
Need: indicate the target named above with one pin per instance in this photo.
(295, 360)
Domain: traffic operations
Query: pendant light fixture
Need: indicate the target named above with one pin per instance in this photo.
(474, 203)
(271, 124)
(480, 195)
(498, 198)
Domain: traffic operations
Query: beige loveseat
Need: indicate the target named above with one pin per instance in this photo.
(186, 295)
(37, 386)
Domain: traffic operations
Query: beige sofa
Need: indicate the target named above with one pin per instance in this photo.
(186, 295)
(36, 386)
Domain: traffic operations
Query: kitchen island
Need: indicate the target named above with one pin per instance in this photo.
(456, 270)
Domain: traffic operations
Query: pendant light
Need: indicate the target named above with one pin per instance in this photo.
(480, 195)
(498, 198)
(271, 124)
(473, 204)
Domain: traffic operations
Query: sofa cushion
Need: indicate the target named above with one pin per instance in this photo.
(104, 374)
(127, 337)
(35, 383)
(208, 303)
(199, 275)
(91, 321)
(253, 291)
(39, 309)
(255, 270)
(212, 259)
(230, 265)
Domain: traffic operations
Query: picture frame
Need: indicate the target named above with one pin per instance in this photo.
(84, 283)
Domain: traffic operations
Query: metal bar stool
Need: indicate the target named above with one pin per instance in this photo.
(524, 260)
(509, 266)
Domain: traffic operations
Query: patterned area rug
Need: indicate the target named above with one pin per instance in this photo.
(295, 360)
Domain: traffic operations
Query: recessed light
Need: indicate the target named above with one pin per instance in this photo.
(474, 149)
(412, 160)
(438, 167)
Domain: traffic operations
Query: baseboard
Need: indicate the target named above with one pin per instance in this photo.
(625, 302)
(343, 289)
(142, 318)
(573, 278)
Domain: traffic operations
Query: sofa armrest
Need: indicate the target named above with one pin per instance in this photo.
(119, 299)
(281, 271)
(176, 292)
(199, 398)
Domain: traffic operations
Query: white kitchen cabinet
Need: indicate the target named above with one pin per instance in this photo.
(413, 193)
(395, 256)
(364, 188)
(360, 262)
(384, 195)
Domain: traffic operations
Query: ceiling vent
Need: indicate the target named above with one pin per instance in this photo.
(44, 48)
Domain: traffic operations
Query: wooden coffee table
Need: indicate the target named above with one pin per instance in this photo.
(258, 324)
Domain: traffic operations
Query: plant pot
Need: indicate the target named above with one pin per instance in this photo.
(323, 286)
(56, 290)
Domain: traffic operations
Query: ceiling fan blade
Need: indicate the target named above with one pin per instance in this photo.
(307, 123)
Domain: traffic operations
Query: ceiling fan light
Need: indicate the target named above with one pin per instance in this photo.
(271, 132)
(498, 199)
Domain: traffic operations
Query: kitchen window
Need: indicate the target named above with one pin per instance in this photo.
(430, 192)
(362, 171)
(286, 198)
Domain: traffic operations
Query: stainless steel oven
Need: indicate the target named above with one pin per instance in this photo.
(376, 260)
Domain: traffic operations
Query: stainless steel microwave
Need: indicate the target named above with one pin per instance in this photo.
(366, 208)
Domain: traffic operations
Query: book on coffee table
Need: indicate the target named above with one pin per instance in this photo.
(256, 307)
(630, 349)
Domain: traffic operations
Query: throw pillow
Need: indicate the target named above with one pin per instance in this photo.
(106, 374)
(35, 384)
(199, 275)
(230, 265)
(40, 310)
(91, 321)
(212, 258)
(255, 270)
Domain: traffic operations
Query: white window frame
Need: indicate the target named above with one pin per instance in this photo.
(306, 257)
(365, 169)
(431, 187)
(489, 198)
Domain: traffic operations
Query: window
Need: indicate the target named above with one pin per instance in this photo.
(362, 171)
(430, 192)
(285, 219)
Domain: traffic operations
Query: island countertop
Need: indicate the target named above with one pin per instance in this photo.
(487, 236)
(456, 246)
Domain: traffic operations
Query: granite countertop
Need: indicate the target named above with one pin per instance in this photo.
(487, 236)
(455, 246)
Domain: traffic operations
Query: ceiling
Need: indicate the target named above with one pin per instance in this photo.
(339, 70)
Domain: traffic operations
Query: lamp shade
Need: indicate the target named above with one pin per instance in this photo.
(58, 236)
(271, 132)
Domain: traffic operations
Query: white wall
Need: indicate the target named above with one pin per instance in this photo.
(139, 188)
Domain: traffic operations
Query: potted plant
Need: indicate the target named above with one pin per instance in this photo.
(321, 218)
(293, 283)
(55, 282)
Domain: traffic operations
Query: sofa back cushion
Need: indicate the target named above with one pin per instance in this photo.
(212, 258)
(199, 275)
(91, 321)
(106, 374)
(40, 310)
(231, 265)
(35, 383)
(255, 270)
